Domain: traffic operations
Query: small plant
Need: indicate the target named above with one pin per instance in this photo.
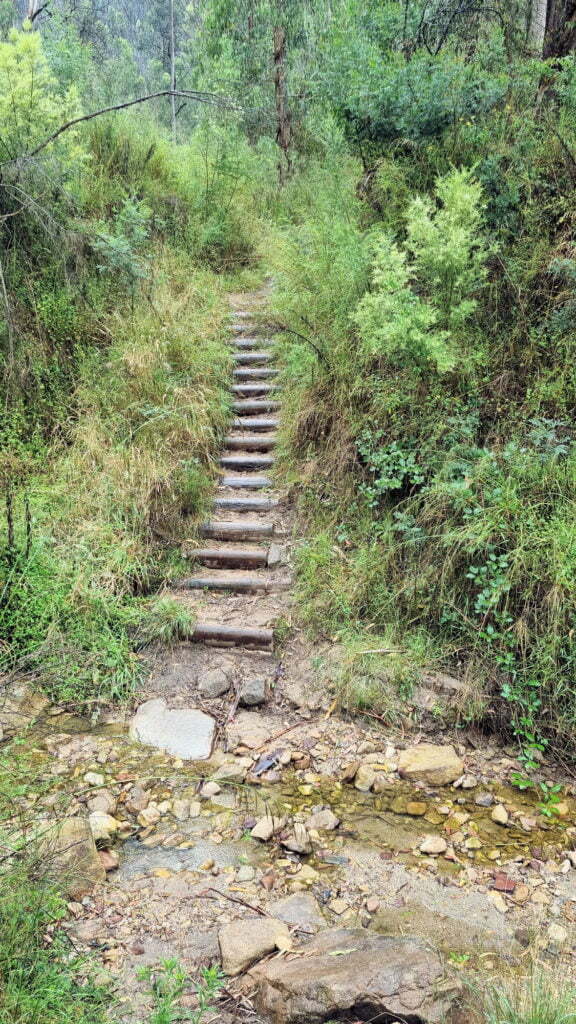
(168, 984)
(551, 793)
(459, 959)
(391, 467)
(539, 999)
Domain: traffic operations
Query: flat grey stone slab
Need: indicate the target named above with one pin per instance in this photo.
(184, 732)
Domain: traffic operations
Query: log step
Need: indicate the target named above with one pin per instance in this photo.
(246, 504)
(252, 558)
(234, 636)
(255, 405)
(250, 442)
(253, 389)
(247, 461)
(247, 343)
(263, 356)
(236, 530)
(255, 373)
(226, 581)
(254, 483)
(255, 423)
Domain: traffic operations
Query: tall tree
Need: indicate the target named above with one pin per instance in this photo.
(537, 26)
(560, 39)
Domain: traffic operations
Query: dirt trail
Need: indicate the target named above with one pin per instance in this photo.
(447, 851)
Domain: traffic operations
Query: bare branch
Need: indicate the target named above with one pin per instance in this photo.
(202, 97)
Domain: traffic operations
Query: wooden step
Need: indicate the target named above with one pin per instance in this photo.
(250, 442)
(254, 483)
(226, 581)
(246, 405)
(250, 390)
(255, 373)
(251, 558)
(256, 423)
(236, 529)
(232, 636)
(262, 356)
(246, 504)
(247, 461)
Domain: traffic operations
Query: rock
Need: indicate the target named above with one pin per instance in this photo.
(300, 911)
(233, 770)
(557, 934)
(94, 779)
(20, 706)
(498, 901)
(433, 845)
(214, 683)
(298, 841)
(484, 800)
(338, 906)
(372, 904)
(187, 732)
(103, 801)
(416, 809)
(324, 819)
(303, 694)
(247, 730)
(195, 809)
(500, 815)
(365, 778)
(276, 555)
(103, 825)
(181, 809)
(149, 816)
(245, 873)
(348, 772)
(437, 765)
(109, 859)
(348, 973)
(265, 828)
(209, 789)
(138, 799)
(466, 782)
(243, 942)
(70, 851)
(503, 882)
(253, 692)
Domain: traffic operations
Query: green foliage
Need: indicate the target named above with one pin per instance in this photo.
(447, 245)
(395, 323)
(44, 981)
(170, 981)
(539, 999)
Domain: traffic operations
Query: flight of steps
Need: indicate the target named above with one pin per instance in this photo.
(241, 553)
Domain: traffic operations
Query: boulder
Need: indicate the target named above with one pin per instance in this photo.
(347, 974)
(103, 825)
(253, 692)
(427, 762)
(70, 851)
(20, 705)
(298, 841)
(233, 769)
(265, 828)
(244, 942)
(185, 732)
(214, 683)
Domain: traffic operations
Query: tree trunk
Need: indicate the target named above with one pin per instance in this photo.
(560, 39)
(537, 26)
(283, 127)
(172, 72)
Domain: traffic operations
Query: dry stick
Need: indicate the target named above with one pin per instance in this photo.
(277, 736)
(205, 894)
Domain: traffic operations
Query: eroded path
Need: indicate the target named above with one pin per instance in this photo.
(298, 823)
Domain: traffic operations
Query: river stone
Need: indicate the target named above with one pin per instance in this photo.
(103, 825)
(248, 730)
(214, 683)
(71, 854)
(186, 732)
(324, 819)
(347, 973)
(437, 765)
(253, 692)
(299, 911)
(500, 815)
(243, 942)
